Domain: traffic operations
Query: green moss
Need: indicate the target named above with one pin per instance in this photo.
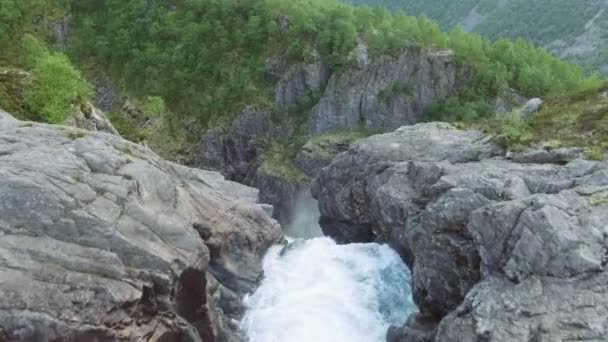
(595, 153)
(279, 160)
(600, 198)
(73, 135)
(125, 126)
(325, 145)
(12, 85)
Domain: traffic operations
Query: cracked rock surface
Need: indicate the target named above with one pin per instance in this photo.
(101, 240)
(501, 249)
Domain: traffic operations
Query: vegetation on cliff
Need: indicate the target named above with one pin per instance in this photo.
(577, 119)
(202, 61)
(556, 24)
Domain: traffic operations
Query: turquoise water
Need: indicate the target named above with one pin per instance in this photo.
(317, 291)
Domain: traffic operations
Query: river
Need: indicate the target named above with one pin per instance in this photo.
(315, 290)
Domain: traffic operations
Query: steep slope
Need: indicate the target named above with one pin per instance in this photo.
(312, 71)
(570, 29)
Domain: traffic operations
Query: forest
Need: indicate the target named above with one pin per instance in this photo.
(550, 23)
(205, 59)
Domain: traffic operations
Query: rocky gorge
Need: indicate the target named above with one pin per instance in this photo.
(103, 240)
(271, 171)
(372, 96)
(113, 243)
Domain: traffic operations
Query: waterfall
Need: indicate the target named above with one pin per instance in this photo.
(316, 290)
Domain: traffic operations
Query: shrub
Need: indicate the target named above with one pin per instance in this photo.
(513, 130)
(155, 106)
(56, 85)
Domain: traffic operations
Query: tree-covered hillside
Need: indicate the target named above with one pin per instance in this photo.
(198, 62)
(571, 29)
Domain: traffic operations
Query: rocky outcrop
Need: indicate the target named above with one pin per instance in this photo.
(92, 119)
(372, 95)
(387, 93)
(106, 95)
(507, 101)
(238, 153)
(235, 151)
(101, 240)
(500, 250)
(301, 81)
(531, 107)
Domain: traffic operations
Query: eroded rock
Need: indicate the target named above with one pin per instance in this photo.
(474, 224)
(103, 240)
(91, 118)
(387, 93)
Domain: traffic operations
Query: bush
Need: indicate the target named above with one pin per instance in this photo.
(513, 130)
(56, 85)
(155, 106)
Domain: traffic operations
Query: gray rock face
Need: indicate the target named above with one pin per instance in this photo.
(507, 101)
(301, 81)
(531, 107)
(554, 156)
(106, 93)
(473, 224)
(92, 119)
(237, 154)
(101, 240)
(387, 93)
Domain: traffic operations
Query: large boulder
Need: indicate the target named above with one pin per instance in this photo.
(101, 240)
(474, 224)
(531, 107)
(387, 93)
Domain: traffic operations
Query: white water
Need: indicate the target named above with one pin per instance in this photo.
(315, 291)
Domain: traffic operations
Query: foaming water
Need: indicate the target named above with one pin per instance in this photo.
(316, 290)
(305, 219)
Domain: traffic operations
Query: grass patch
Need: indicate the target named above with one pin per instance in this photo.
(126, 127)
(571, 120)
(595, 153)
(326, 145)
(512, 130)
(73, 135)
(279, 160)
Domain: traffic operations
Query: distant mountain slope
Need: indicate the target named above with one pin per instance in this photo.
(576, 30)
